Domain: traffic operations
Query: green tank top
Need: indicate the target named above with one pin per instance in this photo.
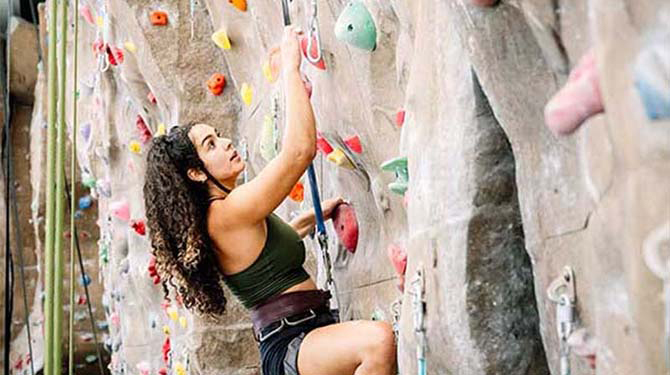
(277, 268)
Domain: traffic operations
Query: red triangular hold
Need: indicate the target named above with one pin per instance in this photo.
(354, 144)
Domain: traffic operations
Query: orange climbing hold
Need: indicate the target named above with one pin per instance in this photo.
(239, 4)
(158, 18)
(314, 51)
(346, 226)
(297, 194)
(354, 144)
(216, 83)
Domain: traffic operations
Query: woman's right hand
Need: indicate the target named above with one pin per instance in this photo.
(290, 49)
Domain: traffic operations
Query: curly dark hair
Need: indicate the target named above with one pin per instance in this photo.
(176, 209)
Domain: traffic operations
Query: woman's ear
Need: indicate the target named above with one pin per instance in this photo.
(196, 175)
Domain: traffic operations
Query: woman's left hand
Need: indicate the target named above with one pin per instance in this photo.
(328, 206)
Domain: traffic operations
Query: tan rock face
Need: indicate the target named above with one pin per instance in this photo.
(496, 205)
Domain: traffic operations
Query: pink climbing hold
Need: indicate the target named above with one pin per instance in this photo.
(151, 97)
(98, 47)
(114, 55)
(145, 133)
(313, 52)
(115, 319)
(398, 258)
(323, 145)
(354, 144)
(400, 118)
(346, 226)
(120, 209)
(86, 14)
(152, 271)
(578, 100)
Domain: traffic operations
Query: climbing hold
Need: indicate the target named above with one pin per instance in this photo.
(323, 145)
(166, 329)
(400, 118)
(356, 26)
(100, 21)
(86, 14)
(135, 147)
(216, 83)
(246, 93)
(81, 300)
(182, 321)
(377, 315)
(267, 72)
(399, 166)
(166, 349)
(98, 47)
(172, 313)
(583, 345)
(346, 226)
(398, 258)
(652, 79)
(130, 47)
(139, 227)
(354, 144)
(220, 38)
(163, 371)
(340, 158)
(85, 131)
(143, 129)
(152, 98)
(179, 369)
(239, 4)
(314, 52)
(85, 202)
(85, 280)
(120, 209)
(144, 367)
(88, 181)
(158, 18)
(578, 100)
(86, 337)
(297, 194)
(161, 129)
(484, 3)
(114, 55)
(152, 271)
(91, 358)
(84, 234)
(102, 325)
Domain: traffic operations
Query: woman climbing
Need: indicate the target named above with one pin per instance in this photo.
(205, 230)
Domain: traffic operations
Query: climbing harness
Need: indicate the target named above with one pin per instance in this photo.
(419, 314)
(561, 291)
(659, 264)
(321, 234)
(313, 36)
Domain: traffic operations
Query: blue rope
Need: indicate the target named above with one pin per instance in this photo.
(320, 226)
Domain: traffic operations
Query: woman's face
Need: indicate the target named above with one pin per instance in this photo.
(217, 153)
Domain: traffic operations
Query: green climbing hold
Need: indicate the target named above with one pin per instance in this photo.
(89, 181)
(356, 26)
(399, 166)
(377, 315)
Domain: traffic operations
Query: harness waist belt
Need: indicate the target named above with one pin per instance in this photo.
(285, 305)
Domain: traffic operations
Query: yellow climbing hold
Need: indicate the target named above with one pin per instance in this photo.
(246, 93)
(179, 369)
(340, 158)
(135, 147)
(161, 129)
(267, 72)
(182, 321)
(172, 313)
(130, 46)
(100, 21)
(166, 330)
(220, 38)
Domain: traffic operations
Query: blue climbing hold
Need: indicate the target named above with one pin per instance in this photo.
(85, 280)
(652, 79)
(356, 26)
(85, 202)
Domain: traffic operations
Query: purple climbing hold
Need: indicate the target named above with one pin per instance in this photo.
(85, 131)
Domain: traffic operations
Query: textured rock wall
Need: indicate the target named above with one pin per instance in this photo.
(497, 205)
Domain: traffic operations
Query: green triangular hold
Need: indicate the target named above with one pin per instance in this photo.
(356, 26)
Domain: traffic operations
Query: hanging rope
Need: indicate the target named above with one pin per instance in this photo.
(73, 171)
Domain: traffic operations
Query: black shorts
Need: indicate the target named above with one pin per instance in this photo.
(279, 352)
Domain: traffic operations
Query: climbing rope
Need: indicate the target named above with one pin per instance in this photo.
(73, 171)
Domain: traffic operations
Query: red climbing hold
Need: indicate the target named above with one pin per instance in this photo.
(158, 18)
(398, 257)
(313, 52)
(400, 118)
(162, 371)
(354, 144)
(484, 3)
(346, 226)
(151, 97)
(578, 100)
(139, 227)
(145, 133)
(81, 300)
(216, 83)
(323, 145)
(239, 4)
(114, 55)
(166, 349)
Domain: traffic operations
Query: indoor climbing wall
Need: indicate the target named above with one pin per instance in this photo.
(493, 245)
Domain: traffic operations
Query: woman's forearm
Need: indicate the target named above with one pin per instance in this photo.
(303, 224)
(300, 132)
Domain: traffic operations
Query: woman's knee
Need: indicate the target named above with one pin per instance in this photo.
(381, 340)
